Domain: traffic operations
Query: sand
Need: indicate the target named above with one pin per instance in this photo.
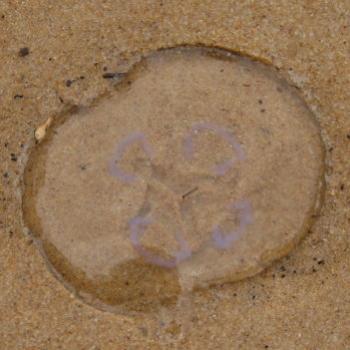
(73, 50)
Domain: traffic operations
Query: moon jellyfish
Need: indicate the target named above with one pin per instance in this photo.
(202, 167)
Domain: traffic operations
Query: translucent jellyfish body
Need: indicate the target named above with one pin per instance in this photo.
(202, 167)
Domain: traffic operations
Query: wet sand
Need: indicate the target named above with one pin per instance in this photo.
(56, 56)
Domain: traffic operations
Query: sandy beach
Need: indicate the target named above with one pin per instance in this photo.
(58, 57)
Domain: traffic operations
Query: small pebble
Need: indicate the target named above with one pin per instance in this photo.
(24, 51)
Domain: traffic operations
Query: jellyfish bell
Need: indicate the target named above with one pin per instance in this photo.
(205, 169)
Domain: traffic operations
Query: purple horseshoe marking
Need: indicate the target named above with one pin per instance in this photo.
(138, 226)
(122, 146)
(224, 241)
(222, 168)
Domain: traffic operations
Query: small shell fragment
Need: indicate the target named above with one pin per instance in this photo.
(40, 132)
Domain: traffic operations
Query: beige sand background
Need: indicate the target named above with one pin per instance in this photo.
(302, 301)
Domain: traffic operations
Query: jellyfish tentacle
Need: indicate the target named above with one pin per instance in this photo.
(121, 148)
